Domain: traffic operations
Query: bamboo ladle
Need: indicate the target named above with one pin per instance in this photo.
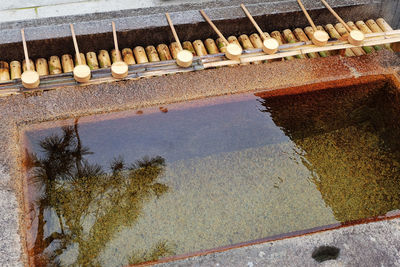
(233, 51)
(81, 71)
(355, 37)
(30, 78)
(270, 45)
(319, 38)
(119, 69)
(184, 57)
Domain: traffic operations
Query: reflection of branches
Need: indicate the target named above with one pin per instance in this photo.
(90, 204)
(161, 249)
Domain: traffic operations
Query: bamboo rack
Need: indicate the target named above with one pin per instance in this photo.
(161, 60)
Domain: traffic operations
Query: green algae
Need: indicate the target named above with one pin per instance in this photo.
(355, 154)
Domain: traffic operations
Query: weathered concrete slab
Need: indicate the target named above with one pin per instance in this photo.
(10, 243)
(363, 245)
(21, 10)
(373, 244)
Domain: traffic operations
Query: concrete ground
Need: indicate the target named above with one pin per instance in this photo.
(372, 244)
(38, 9)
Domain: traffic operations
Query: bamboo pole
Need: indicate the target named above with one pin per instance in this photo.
(67, 63)
(233, 51)
(163, 52)
(375, 28)
(31, 65)
(152, 54)
(233, 40)
(302, 37)
(4, 71)
(310, 32)
(246, 44)
(373, 40)
(211, 46)
(81, 72)
(104, 59)
(115, 56)
(334, 34)
(15, 69)
(342, 30)
(188, 46)
(42, 67)
(270, 45)
(277, 35)
(140, 54)
(303, 49)
(319, 38)
(174, 48)
(54, 65)
(75, 44)
(257, 42)
(367, 49)
(291, 39)
(386, 27)
(83, 59)
(184, 58)
(119, 68)
(355, 37)
(364, 28)
(128, 57)
(92, 61)
(200, 48)
(30, 78)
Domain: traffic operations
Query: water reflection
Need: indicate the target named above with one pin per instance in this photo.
(350, 139)
(90, 205)
(223, 171)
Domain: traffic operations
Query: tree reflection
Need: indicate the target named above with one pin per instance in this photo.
(91, 205)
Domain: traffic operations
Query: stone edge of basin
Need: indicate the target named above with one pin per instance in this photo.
(18, 112)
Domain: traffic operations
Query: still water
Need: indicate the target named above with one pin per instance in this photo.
(126, 188)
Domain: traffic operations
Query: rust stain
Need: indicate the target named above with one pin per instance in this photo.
(273, 238)
(163, 109)
(328, 85)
